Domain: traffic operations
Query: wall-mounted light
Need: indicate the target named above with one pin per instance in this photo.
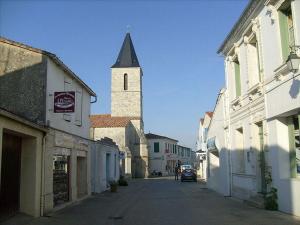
(293, 62)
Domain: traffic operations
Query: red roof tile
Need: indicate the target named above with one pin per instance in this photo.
(106, 120)
(210, 114)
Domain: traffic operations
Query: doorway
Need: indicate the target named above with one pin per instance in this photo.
(81, 177)
(10, 175)
(107, 169)
(61, 179)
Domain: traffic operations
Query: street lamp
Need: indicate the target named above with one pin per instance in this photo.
(293, 62)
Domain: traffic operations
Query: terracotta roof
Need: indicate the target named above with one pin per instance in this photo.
(52, 56)
(106, 120)
(155, 136)
(210, 114)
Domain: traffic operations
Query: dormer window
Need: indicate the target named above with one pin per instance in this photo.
(125, 81)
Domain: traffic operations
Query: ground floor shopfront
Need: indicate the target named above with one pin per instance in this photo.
(67, 170)
(21, 149)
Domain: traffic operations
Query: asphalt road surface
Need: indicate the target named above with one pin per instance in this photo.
(160, 201)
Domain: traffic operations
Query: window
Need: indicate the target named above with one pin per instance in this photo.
(156, 146)
(239, 151)
(125, 81)
(286, 30)
(237, 75)
(253, 62)
(294, 140)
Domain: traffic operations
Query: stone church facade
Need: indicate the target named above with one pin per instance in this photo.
(125, 123)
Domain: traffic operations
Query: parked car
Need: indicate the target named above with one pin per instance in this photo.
(188, 174)
(186, 166)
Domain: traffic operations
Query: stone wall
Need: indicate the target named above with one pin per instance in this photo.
(23, 82)
(126, 102)
(74, 147)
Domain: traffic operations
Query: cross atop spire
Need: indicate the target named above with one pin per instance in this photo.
(127, 56)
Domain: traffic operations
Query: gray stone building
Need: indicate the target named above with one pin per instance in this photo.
(125, 124)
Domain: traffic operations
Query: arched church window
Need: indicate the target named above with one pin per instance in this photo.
(125, 81)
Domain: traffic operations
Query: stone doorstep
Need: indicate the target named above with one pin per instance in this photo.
(65, 205)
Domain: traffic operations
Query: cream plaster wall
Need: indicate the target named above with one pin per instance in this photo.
(31, 166)
(56, 78)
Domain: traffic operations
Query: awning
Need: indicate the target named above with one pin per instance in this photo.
(211, 144)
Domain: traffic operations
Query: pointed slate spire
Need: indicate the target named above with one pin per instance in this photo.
(127, 56)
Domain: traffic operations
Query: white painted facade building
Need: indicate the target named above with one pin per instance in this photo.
(262, 123)
(105, 164)
(218, 164)
(165, 153)
(201, 154)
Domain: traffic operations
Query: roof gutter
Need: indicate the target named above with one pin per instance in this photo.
(240, 22)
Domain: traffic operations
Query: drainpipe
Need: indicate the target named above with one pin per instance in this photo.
(43, 176)
(95, 100)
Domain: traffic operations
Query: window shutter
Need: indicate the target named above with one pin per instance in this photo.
(284, 34)
(237, 79)
(78, 107)
(67, 87)
(292, 147)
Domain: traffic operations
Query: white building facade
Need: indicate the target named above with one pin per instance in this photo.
(201, 154)
(105, 164)
(264, 102)
(218, 156)
(165, 154)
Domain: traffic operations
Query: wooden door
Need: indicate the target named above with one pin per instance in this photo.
(10, 174)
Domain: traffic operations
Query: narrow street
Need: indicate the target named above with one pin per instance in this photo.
(160, 201)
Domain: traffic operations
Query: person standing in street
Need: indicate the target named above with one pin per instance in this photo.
(176, 172)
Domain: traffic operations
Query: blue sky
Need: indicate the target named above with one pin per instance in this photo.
(176, 43)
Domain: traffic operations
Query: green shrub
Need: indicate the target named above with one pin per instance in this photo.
(271, 199)
(113, 186)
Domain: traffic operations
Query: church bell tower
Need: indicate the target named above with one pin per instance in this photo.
(126, 83)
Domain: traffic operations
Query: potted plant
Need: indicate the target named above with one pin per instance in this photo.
(122, 181)
(113, 186)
